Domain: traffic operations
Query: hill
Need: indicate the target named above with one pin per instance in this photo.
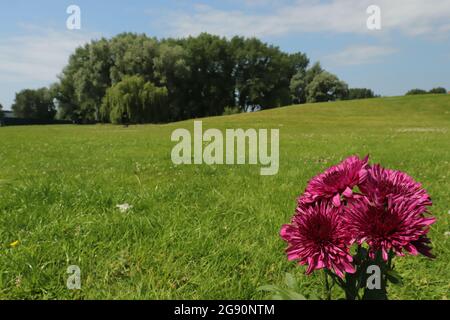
(200, 231)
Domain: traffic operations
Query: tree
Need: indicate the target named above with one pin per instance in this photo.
(1, 111)
(297, 87)
(173, 72)
(326, 87)
(415, 92)
(211, 83)
(142, 101)
(85, 80)
(154, 103)
(95, 67)
(360, 93)
(133, 54)
(35, 104)
(313, 72)
(301, 80)
(438, 90)
(263, 73)
(201, 76)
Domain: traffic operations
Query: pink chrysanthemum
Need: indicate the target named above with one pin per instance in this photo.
(422, 246)
(317, 237)
(380, 184)
(397, 225)
(336, 182)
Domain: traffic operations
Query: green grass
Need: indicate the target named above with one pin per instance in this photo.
(200, 232)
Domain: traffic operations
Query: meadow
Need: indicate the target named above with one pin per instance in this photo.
(199, 231)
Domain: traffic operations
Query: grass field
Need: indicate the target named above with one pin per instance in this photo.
(200, 232)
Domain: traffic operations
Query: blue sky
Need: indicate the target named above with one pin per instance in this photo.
(411, 50)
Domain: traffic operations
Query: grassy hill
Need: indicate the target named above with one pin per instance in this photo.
(200, 231)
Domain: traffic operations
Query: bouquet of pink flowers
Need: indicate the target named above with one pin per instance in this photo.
(355, 216)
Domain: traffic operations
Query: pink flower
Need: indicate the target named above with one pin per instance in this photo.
(336, 182)
(380, 184)
(422, 246)
(317, 236)
(397, 225)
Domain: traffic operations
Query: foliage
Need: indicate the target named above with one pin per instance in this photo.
(438, 90)
(359, 93)
(281, 293)
(326, 87)
(301, 80)
(355, 285)
(203, 75)
(231, 110)
(263, 73)
(35, 104)
(416, 92)
(142, 101)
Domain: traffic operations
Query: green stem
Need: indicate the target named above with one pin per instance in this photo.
(327, 285)
(343, 285)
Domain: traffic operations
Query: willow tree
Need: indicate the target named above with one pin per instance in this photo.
(142, 101)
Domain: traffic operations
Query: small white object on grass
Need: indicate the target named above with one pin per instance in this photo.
(447, 234)
(124, 207)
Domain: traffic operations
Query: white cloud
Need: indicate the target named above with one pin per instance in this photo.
(359, 54)
(412, 17)
(40, 55)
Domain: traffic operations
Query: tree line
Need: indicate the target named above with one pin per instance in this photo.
(155, 81)
(438, 90)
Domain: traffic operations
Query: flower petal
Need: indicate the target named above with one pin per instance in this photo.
(337, 200)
